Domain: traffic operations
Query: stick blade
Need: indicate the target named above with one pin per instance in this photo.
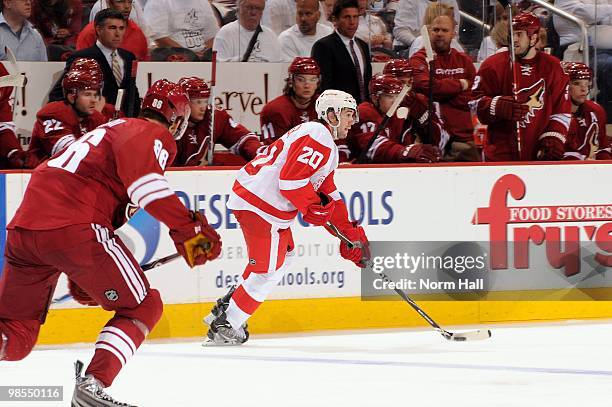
(477, 335)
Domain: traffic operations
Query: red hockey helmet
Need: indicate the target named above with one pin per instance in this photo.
(398, 68)
(526, 22)
(304, 66)
(81, 80)
(170, 100)
(577, 70)
(196, 88)
(87, 64)
(387, 84)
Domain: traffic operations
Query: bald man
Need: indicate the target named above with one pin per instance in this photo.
(297, 40)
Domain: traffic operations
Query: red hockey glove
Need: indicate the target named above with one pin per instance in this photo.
(421, 153)
(506, 108)
(320, 214)
(80, 295)
(18, 159)
(416, 106)
(197, 243)
(356, 234)
(550, 147)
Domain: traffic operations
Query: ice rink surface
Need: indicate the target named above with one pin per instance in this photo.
(564, 364)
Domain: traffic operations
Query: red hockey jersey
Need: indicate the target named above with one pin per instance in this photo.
(542, 85)
(57, 125)
(193, 146)
(447, 90)
(95, 178)
(587, 136)
(390, 145)
(280, 115)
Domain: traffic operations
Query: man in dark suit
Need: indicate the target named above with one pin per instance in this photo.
(117, 64)
(344, 59)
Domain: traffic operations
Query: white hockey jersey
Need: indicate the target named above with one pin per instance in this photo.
(284, 178)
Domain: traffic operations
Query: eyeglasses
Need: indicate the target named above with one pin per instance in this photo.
(313, 80)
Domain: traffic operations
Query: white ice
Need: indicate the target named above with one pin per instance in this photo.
(565, 364)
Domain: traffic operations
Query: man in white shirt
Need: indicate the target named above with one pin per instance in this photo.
(409, 19)
(297, 41)
(246, 40)
(189, 24)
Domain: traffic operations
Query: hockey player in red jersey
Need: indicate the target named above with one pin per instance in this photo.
(59, 123)
(296, 104)
(396, 142)
(454, 73)
(541, 107)
(11, 153)
(587, 137)
(82, 190)
(89, 65)
(193, 147)
(295, 174)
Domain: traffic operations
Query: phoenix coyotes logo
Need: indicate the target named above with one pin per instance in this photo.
(534, 99)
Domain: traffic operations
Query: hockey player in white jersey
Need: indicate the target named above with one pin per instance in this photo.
(295, 173)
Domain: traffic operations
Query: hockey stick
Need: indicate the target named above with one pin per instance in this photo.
(211, 128)
(451, 336)
(160, 262)
(118, 103)
(429, 57)
(12, 81)
(363, 156)
(514, 73)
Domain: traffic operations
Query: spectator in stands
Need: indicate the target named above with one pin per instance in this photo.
(136, 12)
(498, 36)
(454, 75)
(59, 21)
(297, 103)
(597, 14)
(17, 33)
(297, 40)
(245, 39)
(134, 39)
(408, 20)
(432, 11)
(396, 142)
(193, 147)
(344, 59)
(586, 138)
(326, 7)
(188, 24)
(59, 124)
(11, 153)
(118, 65)
(279, 15)
(372, 29)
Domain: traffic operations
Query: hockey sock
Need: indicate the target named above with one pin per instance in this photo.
(250, 294)
(116, 343)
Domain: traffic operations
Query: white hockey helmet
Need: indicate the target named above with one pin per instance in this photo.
(335, 100)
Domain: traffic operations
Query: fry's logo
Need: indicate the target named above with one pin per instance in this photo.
(562, 243)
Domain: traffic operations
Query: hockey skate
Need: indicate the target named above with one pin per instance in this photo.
(89, 392)
(221, 333)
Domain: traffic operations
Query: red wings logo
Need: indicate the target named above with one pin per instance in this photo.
(534, 98)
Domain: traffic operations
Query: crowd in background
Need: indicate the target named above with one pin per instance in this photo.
(115, 33)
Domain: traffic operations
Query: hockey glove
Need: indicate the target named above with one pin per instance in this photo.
(550, 148)
(421, 153)
(198, 243)
(320, 214)
(356, 255)
(80, 295)
(506, 108)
